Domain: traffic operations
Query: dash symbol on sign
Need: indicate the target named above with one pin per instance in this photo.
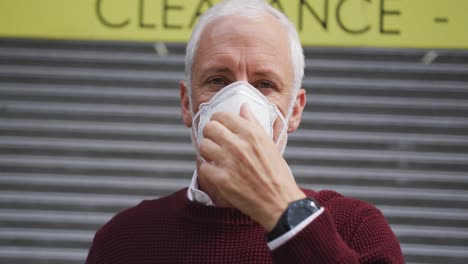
(441, 20)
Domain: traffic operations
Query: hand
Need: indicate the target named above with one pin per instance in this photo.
(246, 168)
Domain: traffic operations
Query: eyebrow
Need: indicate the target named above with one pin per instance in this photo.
(270, 74)
(213, 70)
(264, 73)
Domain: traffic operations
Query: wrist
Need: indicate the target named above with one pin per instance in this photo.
(295, 213)
(275, 214)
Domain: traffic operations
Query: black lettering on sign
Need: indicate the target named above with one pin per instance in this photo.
(141, 16)
(166, 10)
(323, 22)
(106, 22)
(383, 13)
(198, 11)
(342, 24)
(278, 5)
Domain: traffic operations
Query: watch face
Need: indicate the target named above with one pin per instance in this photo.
(299, 211)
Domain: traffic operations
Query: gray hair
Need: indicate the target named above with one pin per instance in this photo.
(248, 8)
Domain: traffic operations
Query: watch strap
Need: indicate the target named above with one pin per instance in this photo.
(280, 227)
(283, 225)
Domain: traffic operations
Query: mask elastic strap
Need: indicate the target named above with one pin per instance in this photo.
(194, 132)
(286, 121)
(194, 135)
(283, 130)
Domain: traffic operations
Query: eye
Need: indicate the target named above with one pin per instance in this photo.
(218, 81)
(264, 85)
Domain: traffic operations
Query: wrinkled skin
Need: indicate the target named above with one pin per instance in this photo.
(244, 167)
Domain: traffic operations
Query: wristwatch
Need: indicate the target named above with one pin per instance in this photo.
(295, 213)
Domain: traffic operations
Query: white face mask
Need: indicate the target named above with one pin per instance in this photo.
(230, 99)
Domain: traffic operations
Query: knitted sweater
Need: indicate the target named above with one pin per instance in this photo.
(175, 230)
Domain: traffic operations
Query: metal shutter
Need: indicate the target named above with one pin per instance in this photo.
(90, 128)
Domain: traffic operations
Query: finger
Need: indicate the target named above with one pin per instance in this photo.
(218, 133)
(230, 120)
(210, 151)
(246, 113)
(212, 174)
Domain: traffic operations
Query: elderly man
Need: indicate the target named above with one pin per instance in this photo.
(241, 98)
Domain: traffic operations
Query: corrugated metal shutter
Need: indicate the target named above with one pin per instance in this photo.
(90, 128)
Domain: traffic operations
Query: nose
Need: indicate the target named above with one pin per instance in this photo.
(242, 75)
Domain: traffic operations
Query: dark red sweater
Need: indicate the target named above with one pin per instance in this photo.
(175, 230)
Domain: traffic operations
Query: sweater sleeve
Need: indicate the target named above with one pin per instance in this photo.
(371, 241)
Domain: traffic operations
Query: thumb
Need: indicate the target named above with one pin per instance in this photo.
(246, 113)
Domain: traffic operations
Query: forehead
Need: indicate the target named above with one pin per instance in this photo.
(264, 27)
(260, 40)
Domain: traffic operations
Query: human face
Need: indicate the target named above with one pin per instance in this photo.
(237, 48)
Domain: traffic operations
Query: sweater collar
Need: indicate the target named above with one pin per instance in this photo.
(198, 212)
(194, 194)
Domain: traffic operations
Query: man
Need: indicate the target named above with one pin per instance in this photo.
(244, 66)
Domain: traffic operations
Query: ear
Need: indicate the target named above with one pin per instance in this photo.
(298, 108)
(185, 104)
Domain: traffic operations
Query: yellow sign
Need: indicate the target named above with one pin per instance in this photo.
(378, 23)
